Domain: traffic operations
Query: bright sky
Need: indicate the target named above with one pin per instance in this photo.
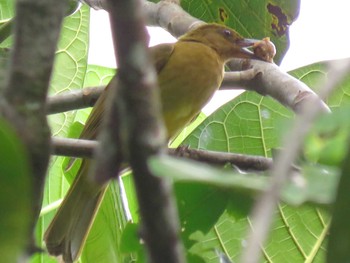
(321, 32)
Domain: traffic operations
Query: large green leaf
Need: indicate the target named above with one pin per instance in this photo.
(16, 197)
(252, 124)
(251, 18)
(103, 242)
(70, 65)
(247, 124)
(315, 75)
(297, 236)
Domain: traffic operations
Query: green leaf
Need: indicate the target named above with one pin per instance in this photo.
(199, 206)
(318, 185)
(297, 236)
(130, 239)
(130, 193)
(7, 10)
(104, 240)
(16, 198)
(248, 124)
(315, 75)
(203, 192)
(70, 64)
(252, 124)
(98, 75)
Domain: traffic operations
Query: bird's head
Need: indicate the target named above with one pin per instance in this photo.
(225, 41)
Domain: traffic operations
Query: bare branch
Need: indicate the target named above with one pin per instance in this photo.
(74, 100)
(272, 81)
(85, 149)
(242, 161)
(73, 147)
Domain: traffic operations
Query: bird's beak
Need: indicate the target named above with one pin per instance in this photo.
(244, 44)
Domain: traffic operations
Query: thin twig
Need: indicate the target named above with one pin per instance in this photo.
(85, 149)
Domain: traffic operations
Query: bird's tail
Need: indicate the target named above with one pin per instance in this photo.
(67, 233)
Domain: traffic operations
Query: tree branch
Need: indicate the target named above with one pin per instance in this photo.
(264, 78)
(272, 81)
(36, 31)
(74, 100)
(85, 149)
(142, 131)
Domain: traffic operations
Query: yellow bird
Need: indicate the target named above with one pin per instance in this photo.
(189, 72)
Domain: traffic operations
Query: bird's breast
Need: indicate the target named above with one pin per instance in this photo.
(187, 82)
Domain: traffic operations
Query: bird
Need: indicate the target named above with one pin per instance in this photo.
(189, 72)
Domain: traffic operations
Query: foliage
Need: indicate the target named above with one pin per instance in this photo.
(214, 203)
(15, 196)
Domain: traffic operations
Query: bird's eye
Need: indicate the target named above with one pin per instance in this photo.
(227, 32)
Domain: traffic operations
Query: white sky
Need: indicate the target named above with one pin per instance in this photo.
(321, 32)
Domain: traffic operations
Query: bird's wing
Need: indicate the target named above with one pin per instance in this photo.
(93, 123)
(160, 55)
